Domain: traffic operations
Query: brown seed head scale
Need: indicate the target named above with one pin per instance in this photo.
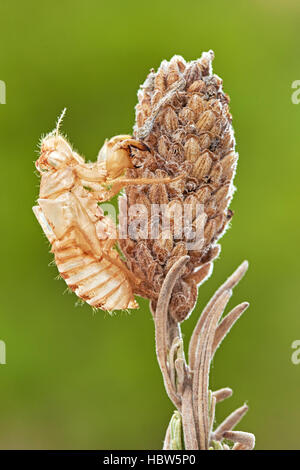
(183, 118)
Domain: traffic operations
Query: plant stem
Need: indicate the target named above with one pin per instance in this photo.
(188, 385)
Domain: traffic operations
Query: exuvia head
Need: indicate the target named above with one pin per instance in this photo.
(56, 151)
(116, 154)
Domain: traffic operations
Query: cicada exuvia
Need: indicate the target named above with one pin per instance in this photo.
(82, 238)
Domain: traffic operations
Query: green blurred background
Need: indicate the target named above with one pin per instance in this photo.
(75, 379)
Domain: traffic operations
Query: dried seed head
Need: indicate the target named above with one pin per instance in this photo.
(202, 166)
(197, 87)
(186, 126)
(203, 194)
(192, 149)
(204, 141)
(206, 121)
(162, 247)
(170, 120)
(196, 104)
(186, 115)
(163, 145)
(215, 174)
(228, 164)
(160, 81)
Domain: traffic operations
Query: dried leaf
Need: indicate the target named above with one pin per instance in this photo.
(161, 323)
(227, 323)
(202, 365)
(188, 420)
(246, 439)
(230, 422)
(231, 282)
(222, 394)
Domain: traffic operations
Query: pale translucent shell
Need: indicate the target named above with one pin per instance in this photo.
(82, 238)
